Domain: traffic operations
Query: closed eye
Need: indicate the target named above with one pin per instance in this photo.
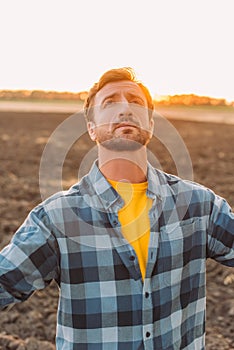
(133, 98)
(137, 101)
(108, 102)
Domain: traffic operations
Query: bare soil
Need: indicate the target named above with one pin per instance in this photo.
(23, 135)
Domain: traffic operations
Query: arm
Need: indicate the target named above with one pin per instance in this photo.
(221, 232)
(30, 261)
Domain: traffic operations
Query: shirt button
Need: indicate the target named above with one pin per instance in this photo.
(146, 294)
(132, 258)
(147, 334)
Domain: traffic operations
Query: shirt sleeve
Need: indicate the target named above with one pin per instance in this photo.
(30, 261)
(221, 232)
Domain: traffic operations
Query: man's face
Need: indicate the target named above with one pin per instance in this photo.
(120, 117)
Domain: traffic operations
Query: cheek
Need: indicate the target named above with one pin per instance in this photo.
(103, 117)
(146, 124)
(103, 130)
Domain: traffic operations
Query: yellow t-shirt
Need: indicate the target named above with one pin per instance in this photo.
(134, 218)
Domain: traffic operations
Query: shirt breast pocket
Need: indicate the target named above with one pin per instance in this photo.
(178, 252)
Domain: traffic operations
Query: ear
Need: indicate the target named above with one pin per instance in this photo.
(91, 126)
(151, 126)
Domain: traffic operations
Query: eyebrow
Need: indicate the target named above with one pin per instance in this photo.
(130, 94)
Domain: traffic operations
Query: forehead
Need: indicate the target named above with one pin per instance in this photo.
(124, 87)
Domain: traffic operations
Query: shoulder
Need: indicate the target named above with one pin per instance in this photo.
(178, 186)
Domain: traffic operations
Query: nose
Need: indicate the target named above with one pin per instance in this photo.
(124, 107)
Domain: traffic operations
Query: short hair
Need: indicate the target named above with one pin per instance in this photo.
(116, 74)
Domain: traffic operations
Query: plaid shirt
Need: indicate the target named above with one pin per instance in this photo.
(75, 238)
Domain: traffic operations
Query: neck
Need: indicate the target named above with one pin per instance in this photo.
(123, 166)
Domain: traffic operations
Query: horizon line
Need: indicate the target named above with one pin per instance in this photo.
(156, 97)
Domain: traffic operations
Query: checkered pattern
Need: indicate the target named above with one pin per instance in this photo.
(75, 238)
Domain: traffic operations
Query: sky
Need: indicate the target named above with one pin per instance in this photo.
(175, 46)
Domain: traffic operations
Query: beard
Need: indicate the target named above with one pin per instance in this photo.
(129, 140)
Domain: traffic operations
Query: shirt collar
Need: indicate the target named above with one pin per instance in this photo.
(156, 185)
(102, 187)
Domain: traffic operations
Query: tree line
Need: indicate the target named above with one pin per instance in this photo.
(40, 95)
(190, 100)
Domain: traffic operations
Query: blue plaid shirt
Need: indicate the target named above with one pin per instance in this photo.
(75, 238)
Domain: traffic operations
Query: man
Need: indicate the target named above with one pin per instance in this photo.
(128, 244)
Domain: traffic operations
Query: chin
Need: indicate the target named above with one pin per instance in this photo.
(122, 144)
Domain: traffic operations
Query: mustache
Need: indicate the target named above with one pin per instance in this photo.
(128, 120)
